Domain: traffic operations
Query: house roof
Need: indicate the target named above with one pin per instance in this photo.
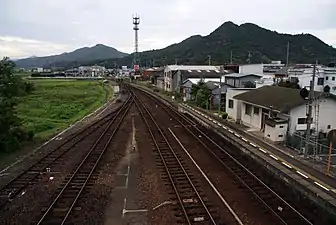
(280, 98)
(196, 80)
(239, 75)
(201, 73)
(194, 67)
(212, 85)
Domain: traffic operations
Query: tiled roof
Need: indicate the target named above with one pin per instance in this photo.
(280, 98)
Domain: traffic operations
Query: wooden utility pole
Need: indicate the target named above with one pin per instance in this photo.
(309, 113)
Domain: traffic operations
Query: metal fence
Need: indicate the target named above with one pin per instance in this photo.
(317, 147)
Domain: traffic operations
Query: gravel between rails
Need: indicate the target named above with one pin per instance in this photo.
(33, 157)
(151, 187)
(36, 195)
(90, 208)
(217, 208)
(249, 210)
(27, 206)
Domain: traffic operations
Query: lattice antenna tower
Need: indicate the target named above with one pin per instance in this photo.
(136, 23)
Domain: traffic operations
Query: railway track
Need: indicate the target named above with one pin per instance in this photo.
(30, 176)
(195, 209)
(274, 203)
(70, 191)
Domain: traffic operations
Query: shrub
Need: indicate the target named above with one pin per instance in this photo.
(225, 115)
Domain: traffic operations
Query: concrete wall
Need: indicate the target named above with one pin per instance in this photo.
(168, 79)
(328, 75)
(252, 68)
(160, 84)
(235, 112)
(254, 119)
(326, 116)
(277, 133)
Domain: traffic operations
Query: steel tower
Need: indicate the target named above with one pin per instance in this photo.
(136, 60)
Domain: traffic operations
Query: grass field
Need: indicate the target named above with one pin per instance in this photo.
(55, 104)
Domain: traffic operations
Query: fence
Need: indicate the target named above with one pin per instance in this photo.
(317, 147)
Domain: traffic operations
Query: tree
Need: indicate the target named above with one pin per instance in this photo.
(249, 84)
(12, 87)
(195, 88)
(288, 84)
(200, 94)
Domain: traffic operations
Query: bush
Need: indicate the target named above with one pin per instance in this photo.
(224, 115)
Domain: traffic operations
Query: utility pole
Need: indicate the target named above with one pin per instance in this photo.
(231, 57)
(209, 58)
(175, 61)
(287, 59)
(249, 58)
(310, 109)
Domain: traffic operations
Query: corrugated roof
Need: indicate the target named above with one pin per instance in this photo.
(280, 98)
(201, 73)
(196, 80)
(193, 67)
(239, 75)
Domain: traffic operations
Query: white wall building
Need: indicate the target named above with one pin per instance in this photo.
(233, 106)
(276, 111)
(173, 74)
(324, 76)
(251, 68)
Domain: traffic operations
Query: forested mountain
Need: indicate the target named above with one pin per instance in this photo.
(261, 44)
(97, 52)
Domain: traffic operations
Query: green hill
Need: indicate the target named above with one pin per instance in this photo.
(264, 45)
(97, 52)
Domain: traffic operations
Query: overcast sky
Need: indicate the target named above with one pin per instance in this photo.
(44, 27)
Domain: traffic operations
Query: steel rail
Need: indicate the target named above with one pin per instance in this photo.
(123, 112)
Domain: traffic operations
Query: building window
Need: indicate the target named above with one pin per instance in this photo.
(320, 81)
(248, 109)
(327, 78)
(256, 110)
(301, 121)
(281, 126)
(333, 78)
(329, 127)
(230, 103)
(280, 135)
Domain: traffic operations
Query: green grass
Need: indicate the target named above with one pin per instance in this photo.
(22, 74)
(55, 104)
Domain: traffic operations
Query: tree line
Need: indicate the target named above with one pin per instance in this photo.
(12, 89)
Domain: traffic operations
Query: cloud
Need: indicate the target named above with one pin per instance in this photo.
(16, 47)
(76, 23)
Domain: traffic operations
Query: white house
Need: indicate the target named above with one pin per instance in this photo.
(277, 110)
(174, 75)
(233, 106)
(324, 76)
